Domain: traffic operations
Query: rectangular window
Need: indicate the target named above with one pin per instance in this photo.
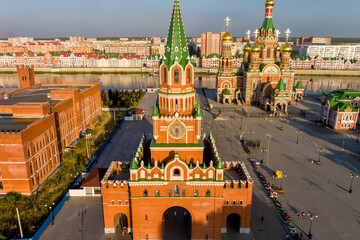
(1, 186)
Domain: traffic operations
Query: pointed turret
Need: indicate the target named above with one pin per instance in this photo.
(176, 47)
(298, 86)
(133, 165)
(281, 85)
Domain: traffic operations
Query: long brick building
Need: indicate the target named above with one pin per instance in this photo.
(177, 184)
(37, 123)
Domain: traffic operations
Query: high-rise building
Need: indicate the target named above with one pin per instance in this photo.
(211, 43)
(177, 173)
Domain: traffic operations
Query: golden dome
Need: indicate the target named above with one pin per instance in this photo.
(286, 48)
(227, 37)
(255, 49)
(247, 48)
(277, 48)
(269, 3)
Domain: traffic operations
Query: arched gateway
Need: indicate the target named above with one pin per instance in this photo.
(176, 224)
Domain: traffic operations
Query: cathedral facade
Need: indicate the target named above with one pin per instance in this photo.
(265, 77)
(177, 184)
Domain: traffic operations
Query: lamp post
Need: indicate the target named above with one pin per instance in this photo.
(282, 124)
(312, 216)
(19, 221)
(263, 150)
(268, 148)
(298, 134)
(87, 137)
(251, 132)
(321, 150)
(281, 190)
(352, 176)
(51, 212)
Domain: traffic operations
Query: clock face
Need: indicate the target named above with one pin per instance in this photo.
(177, 130)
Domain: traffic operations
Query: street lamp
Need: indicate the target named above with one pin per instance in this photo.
(87, 136)
(312, 216)
(281, 190)
(263, 150)
(282, 124)
(251, 132)
(268, 148)
(298, 134)
(352, 176)
(51, 212)
(321, 150)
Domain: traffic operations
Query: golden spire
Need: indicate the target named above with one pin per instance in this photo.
(256, 48)
(269, 3)
(286, 48)
(247, 47)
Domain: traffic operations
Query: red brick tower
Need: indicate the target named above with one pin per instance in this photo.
(26, 76)
(176, 116)
(226, 80)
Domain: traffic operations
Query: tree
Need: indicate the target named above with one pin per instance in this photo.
(294, 54)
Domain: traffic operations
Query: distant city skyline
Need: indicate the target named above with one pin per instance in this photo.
(144, 18)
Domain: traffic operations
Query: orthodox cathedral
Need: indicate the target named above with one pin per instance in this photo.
(265, 77)
(177, 184)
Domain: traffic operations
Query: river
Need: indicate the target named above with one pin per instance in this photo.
(312, 84)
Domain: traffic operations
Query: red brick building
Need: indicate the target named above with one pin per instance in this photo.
(177, 183)
(37, 124)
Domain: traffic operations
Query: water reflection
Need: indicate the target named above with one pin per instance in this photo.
(134, 81)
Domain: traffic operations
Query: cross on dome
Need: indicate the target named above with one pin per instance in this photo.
(278, 33)
(256, 32)
(287, 32)
(227, 20)
(248, 33)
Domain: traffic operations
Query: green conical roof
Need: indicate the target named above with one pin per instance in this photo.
(198, 112)
(156, 110)
(149, 165)
(298, 86)
(280, 85)
(204, 166)
(133, 164)
(162, 165)
(176, 41)
(227, 92)
(268, 23)
(219, 164)
(176, 47)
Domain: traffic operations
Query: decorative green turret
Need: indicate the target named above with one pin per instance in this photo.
(219, 164)
(156, 109)
(149, 165)
(134, 165)
(191, 165)
(162, 165)
(204, 166)
(268, 22)
(198, 112)
(176, 48)
(281, 85)
(298, 85)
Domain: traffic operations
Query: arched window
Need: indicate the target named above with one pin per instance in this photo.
(188, 75)
(176, 191)
(196, 193)
(28, 151)
(145, 193)
(176, 76)
(226, 86)
(31, 169)
(176, 172)
(164, 73)
(157, 193)
(208, 193)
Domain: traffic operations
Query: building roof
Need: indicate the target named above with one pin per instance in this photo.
(37, 94)
(10, 125)
(94, 177)
(281, 85)
(298, 85)
(342, 106)
(227, 92)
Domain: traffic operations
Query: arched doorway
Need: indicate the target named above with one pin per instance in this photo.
(176, 224)
(233, 226)
(121, 225)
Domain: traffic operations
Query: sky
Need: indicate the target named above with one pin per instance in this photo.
(146, 18)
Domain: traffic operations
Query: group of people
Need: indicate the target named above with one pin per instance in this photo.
(301, 214)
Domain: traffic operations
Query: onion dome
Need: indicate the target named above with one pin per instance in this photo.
(255, 49)
(286, 48)
(277, 48)
(269, 3)
(227, 37)
(247, 48)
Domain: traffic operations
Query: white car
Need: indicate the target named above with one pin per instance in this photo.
(292, 230)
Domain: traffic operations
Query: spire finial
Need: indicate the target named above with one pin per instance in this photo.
(287, 32)
(248, 33)
(227, 21)
(256, 33)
